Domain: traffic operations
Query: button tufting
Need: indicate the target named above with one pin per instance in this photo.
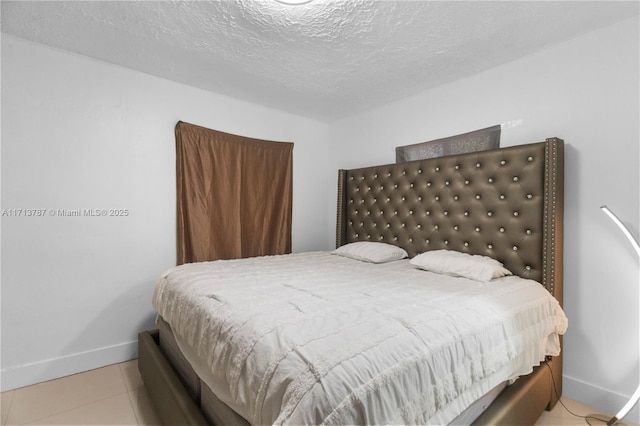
(489, 213)
(437, 169)
(502, 196)
(446, 213)
(435, 226)
(501, 229)
(528, 231)
(446, 182)
(419, 170)
(466, 244)
(455, 228)
(515, 178)
(420, 198)
(530, 158)
(503, 162)
(428, 184)
(478, 165)
(490, 180)
(446, 242)
(528, 268)
(466, 182)
(489, 246)
(428, 212)
(455, 197)
(418, 226)
(516, 214)
(457, 167)
(437, 198)
(466, 213)
(477, 229)
(477, 196)
(426, 241)
(515, 248)
(529, 196)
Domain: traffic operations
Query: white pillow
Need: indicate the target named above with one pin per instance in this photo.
(475, 267)
(371, 252)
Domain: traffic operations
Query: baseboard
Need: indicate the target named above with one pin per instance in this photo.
(41, 371)
(597, 397)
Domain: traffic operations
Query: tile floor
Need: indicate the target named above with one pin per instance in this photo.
(115, 395)
(559, 416)
(112, 395)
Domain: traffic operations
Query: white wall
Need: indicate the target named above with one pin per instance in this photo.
(82, 134)
(585, 91)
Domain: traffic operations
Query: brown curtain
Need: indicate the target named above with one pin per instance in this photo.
(234, 195)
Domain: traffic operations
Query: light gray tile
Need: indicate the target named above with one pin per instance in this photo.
(131, 374)
(143, 407)
(115, 410)
(46, 399)
(5, 406)
(574, 413)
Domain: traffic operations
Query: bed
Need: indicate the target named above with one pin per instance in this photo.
(504, 204)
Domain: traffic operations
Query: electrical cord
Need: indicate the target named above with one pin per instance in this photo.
(587, 417)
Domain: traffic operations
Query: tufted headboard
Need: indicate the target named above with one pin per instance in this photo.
(505, 203)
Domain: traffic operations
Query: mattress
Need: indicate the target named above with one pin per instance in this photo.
(316, 338)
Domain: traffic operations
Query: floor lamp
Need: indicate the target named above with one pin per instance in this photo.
(636, 395)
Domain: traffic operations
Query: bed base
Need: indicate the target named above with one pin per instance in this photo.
(524, 401)
(170, 398)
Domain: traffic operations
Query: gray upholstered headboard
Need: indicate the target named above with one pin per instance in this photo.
(505, 203)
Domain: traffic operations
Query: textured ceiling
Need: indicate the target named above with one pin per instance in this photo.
(324, 59)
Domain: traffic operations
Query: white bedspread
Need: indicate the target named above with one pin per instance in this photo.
(315, 338)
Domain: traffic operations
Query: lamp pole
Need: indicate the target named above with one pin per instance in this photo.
(636, 395)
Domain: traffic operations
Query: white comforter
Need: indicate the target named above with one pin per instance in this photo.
(315, 338)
